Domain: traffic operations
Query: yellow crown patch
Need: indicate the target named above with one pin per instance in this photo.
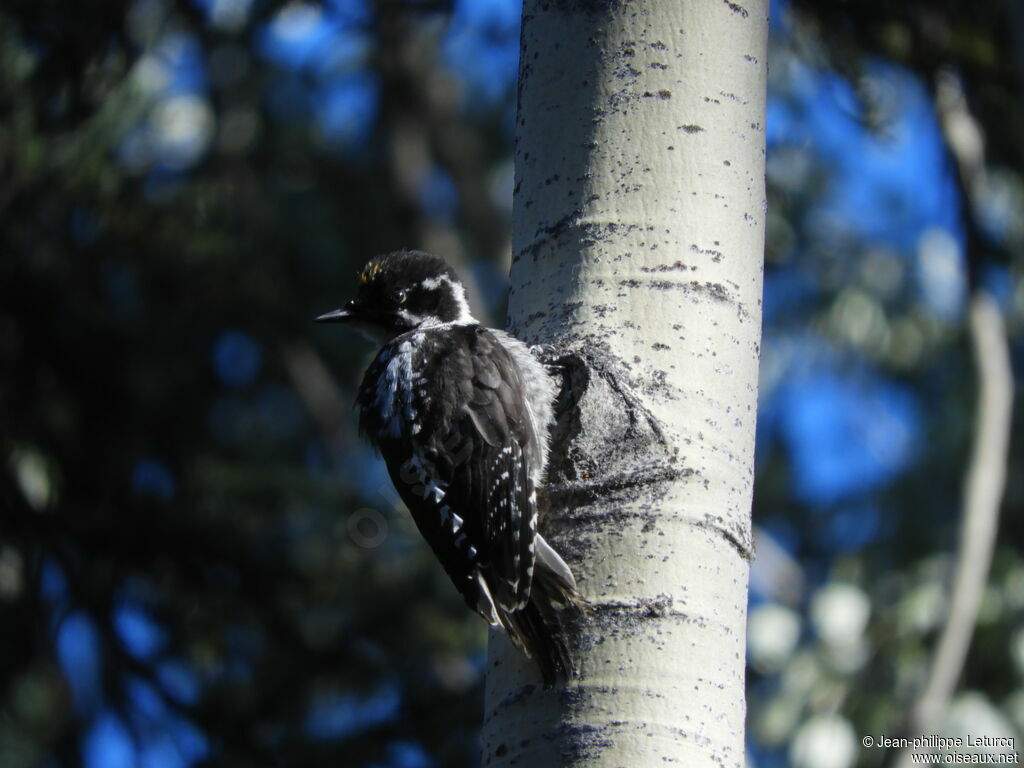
(371, 271)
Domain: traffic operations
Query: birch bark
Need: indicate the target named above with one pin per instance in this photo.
(637, 256)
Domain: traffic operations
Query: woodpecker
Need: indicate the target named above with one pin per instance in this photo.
(461, 415)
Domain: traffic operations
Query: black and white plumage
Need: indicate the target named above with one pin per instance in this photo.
(461, 414)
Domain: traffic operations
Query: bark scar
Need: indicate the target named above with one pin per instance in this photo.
(745, 549)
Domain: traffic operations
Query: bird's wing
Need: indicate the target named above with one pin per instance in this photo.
(480, 453)
(493, 482)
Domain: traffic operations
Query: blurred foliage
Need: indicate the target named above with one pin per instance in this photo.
(199, 563)
(181, 489)
(875, 242)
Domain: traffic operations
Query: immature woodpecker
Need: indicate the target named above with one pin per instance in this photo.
(462, 414)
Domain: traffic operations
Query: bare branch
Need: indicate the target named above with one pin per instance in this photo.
(985, 481)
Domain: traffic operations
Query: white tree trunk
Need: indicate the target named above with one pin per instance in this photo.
(637, 255)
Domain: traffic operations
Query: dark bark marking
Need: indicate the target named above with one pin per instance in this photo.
(715, 291)
(580, 493)
(581, 743)
(737, 8)
(591, 233)
(617, 618)
(744, 549)
(674, 267)
(732, 97)
(516, 696)
(716, 255)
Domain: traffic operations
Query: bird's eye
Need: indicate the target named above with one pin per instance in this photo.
(400, 296)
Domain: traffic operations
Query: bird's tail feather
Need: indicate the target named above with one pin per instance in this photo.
(541, 629)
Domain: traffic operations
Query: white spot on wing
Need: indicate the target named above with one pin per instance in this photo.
(433, 489)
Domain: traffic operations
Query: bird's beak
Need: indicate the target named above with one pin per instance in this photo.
(343, 315)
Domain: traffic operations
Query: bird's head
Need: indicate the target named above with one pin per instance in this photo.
(402, 291)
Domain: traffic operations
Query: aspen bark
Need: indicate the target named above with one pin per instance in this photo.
(637, 261)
